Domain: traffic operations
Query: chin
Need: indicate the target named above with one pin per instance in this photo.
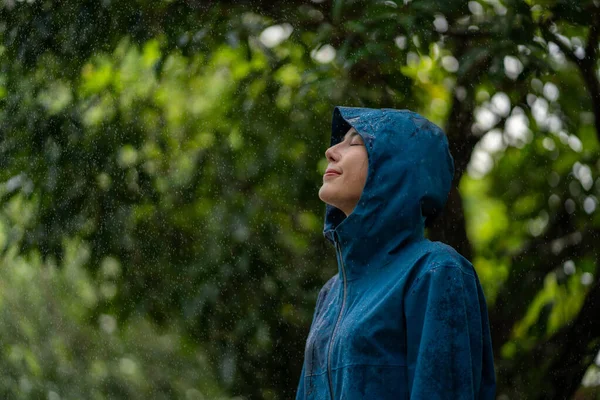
(327, 195)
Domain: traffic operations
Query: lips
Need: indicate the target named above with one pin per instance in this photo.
(331, 171)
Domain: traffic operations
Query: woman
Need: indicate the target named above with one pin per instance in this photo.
(404, 317)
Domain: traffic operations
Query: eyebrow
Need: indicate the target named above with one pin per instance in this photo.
(351, 135)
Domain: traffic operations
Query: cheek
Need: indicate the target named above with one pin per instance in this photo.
(359, 168)
(355, 176)
(364, 168)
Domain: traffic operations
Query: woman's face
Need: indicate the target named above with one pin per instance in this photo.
(346, 174)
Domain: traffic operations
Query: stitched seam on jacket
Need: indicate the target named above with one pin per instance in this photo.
(436, 265)
(322, 373)
(362, 365)
(371, 365)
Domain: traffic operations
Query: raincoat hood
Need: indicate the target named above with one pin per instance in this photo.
(409, 178)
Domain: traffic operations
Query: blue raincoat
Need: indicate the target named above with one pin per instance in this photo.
(404, 317)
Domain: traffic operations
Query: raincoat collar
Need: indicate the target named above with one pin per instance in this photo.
(408, 181)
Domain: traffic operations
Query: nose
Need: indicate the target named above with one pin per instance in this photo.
(331, 154)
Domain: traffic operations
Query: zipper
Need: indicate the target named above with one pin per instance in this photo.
(338, 319)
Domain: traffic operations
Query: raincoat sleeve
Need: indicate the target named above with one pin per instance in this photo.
(300, 394)
(441, 335)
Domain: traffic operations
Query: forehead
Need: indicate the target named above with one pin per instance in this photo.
(350, 134)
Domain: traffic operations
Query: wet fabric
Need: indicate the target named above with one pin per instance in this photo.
(404, 317)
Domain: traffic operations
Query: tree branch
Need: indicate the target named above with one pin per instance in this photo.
(450, 226)
(526, 277)
(571, 350)
(586, 65)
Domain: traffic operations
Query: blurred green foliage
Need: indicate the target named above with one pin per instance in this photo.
(51, 348)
